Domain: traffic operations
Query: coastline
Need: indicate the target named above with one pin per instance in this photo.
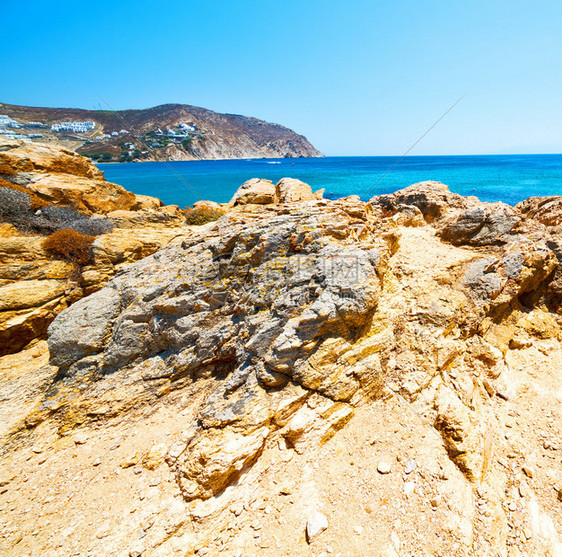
(507, 178)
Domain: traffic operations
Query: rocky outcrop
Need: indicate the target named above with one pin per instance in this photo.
(263, 192)
(433, 199)
(256, 192)
(482, 226)
(546, 210)
(35, 285)
(381, 365)
(270, 306)
(61, 177)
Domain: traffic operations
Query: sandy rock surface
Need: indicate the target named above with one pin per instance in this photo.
(306, 378)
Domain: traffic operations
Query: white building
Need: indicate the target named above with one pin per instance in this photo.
(8, 122)
(35, 125)
(76, 127)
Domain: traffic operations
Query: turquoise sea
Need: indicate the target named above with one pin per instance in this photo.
(508, 178)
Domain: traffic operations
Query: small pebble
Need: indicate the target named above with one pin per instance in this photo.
(435, 501)
(80, 439)
(369, 508)
(525, 491)
(315, 525)
(410, 466)
(384, 466)
(409, 488)
(528, 471)
(237, 509)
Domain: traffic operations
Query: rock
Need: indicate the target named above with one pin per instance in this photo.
(152, 221)
(237, 509)
(482, 226)
(316, 524)
(462, 439)
(358, 530)
(62, 177)
(312, 425)
(525, 491)
(289, 190)
(408, 215)
(482, 280)
(213, 460)
(155, 456)
(89, 323)
(145, 202)
(130, 461)
(210, 205)
(7, 230)
(255, 191)
(276, 327)
(433, 199)
(529, 471)
(30, 293)
(6, 478)
(155, 327)
(263, 192)
(80, 439)
(409, 488)
(546, 210)
(385, 465)
(489, 388)
(35, 284)
(285, 489)
(435, 501)
(21, 156)
(410, 466)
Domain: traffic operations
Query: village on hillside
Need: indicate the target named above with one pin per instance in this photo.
(89, 133)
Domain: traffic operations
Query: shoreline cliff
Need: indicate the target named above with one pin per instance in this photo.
(174, 132)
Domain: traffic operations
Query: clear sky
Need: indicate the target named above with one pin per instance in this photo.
(357, 77)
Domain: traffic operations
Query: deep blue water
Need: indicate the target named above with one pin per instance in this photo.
(508, 178)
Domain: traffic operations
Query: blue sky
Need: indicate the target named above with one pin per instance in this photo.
(356, 77)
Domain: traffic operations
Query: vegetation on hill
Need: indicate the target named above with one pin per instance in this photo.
(167, 132)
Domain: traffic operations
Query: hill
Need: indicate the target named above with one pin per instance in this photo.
(165, 132)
